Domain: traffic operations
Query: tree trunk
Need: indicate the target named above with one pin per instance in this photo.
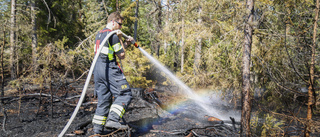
(246, 59)
(2, 69)
(159, 26)
(197, 51)
(166, 25)
(16, 52)
(117, 5)
(12, 40)
(2, 84)
(136, 21)
(182, 44)
(311, 91)
(34, 37)
(51, 92)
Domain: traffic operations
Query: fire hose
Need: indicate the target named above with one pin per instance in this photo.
(88, 79)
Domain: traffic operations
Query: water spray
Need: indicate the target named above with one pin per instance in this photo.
(190, 93)
(198, 100)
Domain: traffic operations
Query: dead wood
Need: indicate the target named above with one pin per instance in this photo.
(218, 129)
(57, 99)
(190, 134)
(83, 125)
(173, 132)
(314, 124)
(114, 133)
(39, 105)
(4, 121)
(79, 78)
(301, 120)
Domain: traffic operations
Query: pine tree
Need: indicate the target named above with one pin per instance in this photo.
(246, 59)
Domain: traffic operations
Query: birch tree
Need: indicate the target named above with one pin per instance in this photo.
(197, 50)
(12, 40)
(34, 36)
(136, 20)
(182, 7)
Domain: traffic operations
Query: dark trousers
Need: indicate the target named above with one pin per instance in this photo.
(109, 82)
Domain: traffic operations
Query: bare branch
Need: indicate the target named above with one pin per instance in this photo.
(49, 18)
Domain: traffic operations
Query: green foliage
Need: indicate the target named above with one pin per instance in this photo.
(267, 126)
(136, 68)
(60, 19)
(129, 18)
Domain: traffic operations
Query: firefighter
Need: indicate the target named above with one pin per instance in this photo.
(110, 82)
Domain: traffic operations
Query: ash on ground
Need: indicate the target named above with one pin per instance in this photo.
(147, 115)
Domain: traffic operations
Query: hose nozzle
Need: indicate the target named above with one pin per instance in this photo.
(136, 45)
(132, 41)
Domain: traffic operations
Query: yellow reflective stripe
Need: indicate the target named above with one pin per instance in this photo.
(123, 111)
(117, 109)
(117, 47)
(111, 52)
(101, 120)
(110, 55)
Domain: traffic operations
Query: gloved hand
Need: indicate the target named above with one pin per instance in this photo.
(130, 40)
(119, 34)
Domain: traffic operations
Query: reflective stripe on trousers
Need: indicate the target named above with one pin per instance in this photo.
(119, 110)
(99, 120)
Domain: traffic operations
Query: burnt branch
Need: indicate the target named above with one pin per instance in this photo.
(274, 79)
(57, 99)
(291, 62)
(4, 119)
(218, 129)
(114, 133)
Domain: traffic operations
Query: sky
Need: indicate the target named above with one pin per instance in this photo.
(3, 5)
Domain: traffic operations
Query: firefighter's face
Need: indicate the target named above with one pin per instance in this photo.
(117, 24)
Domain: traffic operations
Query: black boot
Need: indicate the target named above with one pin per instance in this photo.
(98, 129)
(116, 125)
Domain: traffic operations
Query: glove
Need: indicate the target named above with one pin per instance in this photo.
(119, 34)
(130, 40)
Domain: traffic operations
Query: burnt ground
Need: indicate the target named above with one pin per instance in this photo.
(29, 115)
(146, 115)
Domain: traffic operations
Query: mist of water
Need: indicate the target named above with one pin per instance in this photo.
(192, 95)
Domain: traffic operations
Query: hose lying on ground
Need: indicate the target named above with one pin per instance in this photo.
(87, 82)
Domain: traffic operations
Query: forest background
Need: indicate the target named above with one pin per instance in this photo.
(201, 41)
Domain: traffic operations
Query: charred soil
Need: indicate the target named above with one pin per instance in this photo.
(26, 113)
